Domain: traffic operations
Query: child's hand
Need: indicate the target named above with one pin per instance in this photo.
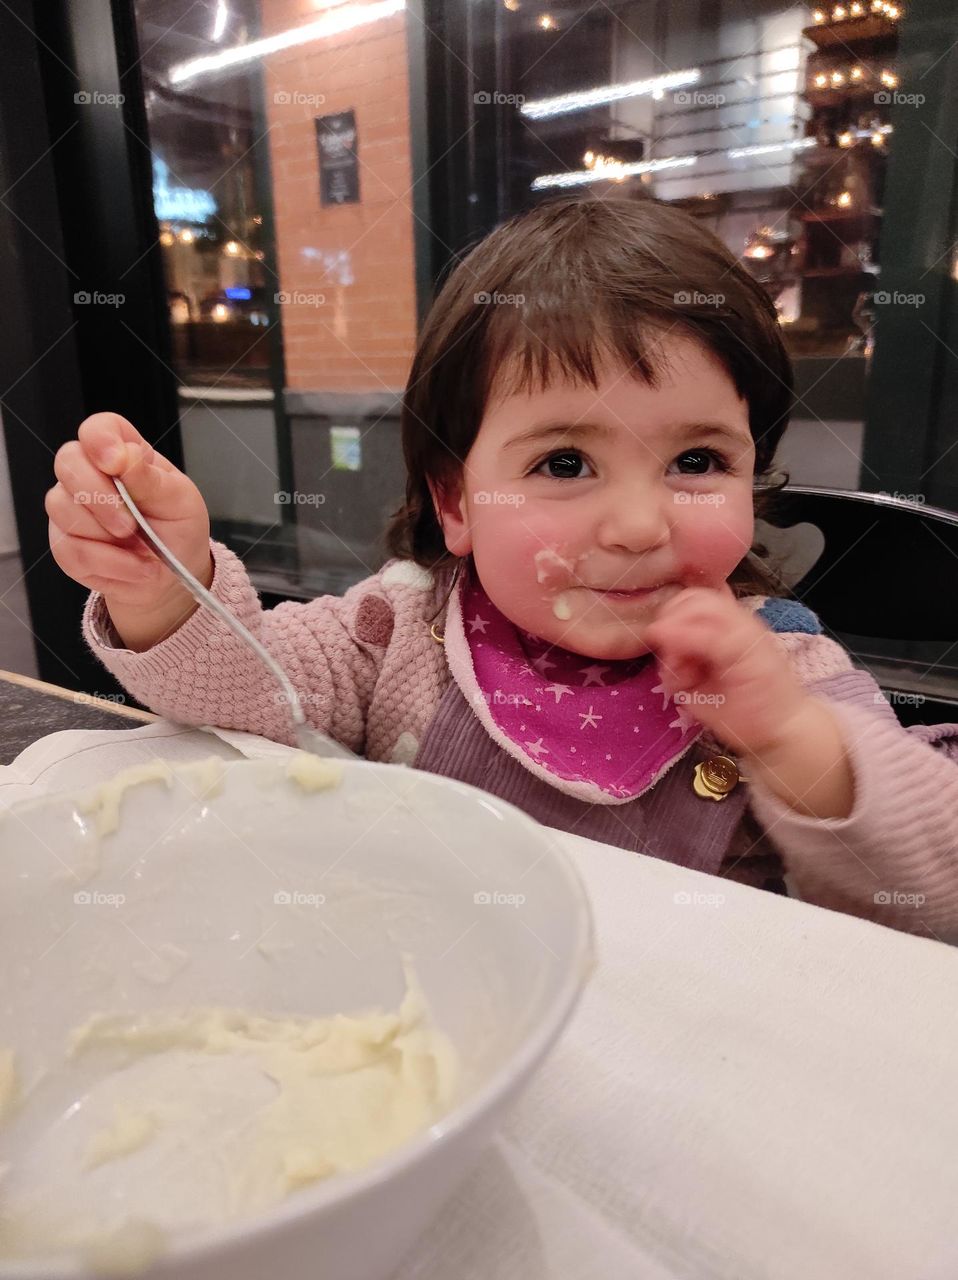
(738, 681)
(93, 537)
(741, 686)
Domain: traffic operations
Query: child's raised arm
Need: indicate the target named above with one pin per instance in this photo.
(147, 629)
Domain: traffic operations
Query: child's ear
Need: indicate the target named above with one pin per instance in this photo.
(451, 506)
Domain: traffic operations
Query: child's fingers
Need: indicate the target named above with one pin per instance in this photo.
(74, 515)
(159, 492)
(85, 559)
(91, 488)
(104, 437)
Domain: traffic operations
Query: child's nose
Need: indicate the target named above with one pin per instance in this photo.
(634, 522)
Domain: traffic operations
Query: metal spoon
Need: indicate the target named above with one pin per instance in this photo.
(307, 739)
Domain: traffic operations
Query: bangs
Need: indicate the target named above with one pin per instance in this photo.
(527, 348)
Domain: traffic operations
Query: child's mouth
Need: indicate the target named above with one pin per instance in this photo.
(641, 593)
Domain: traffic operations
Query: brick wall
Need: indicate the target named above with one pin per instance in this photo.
(358, 256)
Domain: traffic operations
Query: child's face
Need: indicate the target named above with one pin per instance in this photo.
(626, 492)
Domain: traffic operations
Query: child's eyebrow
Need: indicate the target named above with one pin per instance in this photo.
(544, 431)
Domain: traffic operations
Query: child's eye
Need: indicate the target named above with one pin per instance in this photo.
(699, 460)
(562, 466)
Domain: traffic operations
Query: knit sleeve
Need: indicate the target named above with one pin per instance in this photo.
(331, 648)
(894, 858)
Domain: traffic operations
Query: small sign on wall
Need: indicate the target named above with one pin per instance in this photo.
(338, 158)
(346, 448)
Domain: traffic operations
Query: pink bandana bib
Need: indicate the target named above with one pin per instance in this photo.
(604, 731)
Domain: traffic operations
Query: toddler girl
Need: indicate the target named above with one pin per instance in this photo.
(572, 617)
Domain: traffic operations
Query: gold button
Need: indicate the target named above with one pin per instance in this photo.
(714, 778)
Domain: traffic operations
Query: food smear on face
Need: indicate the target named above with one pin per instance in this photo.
(561, 607)
(190, 1118)
(548, 562)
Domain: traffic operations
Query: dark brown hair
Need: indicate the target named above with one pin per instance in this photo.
(552, 292)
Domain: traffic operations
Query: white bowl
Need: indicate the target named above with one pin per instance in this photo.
(185, 904)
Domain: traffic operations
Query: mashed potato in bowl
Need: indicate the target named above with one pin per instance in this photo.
(252, 1010)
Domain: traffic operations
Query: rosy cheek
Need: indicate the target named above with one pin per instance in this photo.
(711, 549)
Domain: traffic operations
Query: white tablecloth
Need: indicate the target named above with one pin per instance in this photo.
(752, 1088)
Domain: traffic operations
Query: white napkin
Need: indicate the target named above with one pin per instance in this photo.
(752, 1088)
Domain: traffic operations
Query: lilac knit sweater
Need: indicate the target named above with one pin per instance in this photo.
(372, 676)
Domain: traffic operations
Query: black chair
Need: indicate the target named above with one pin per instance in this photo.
(881, 572)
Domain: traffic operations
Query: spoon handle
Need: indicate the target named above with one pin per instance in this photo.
(200, 593)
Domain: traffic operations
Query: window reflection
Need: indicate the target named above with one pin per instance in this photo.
(283, 180)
